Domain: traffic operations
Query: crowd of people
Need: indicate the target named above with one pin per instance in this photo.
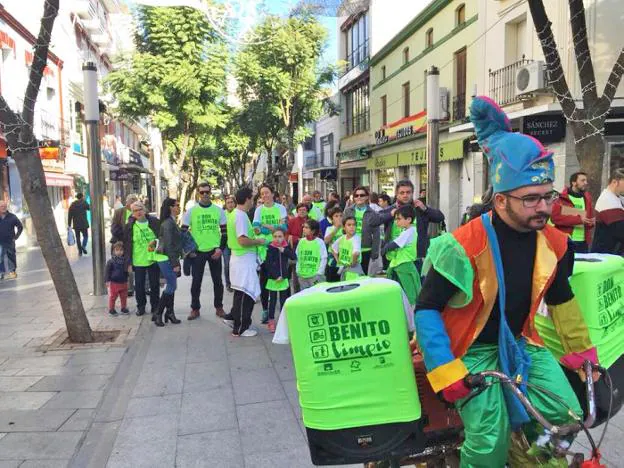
(260, 247)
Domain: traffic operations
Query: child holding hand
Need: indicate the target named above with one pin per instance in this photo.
(347, 251)
(278, 255)
(116, 278)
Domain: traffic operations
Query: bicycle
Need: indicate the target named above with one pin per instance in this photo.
(554, 439)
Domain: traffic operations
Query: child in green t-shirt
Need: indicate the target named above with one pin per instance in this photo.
(276, 264)
(331, 234)
(402, 268)
(311, 256)
(347, 251)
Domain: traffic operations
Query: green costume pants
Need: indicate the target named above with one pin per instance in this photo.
(485, 418)
(407, 276)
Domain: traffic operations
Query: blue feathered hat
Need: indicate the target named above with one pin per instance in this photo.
(516, 160)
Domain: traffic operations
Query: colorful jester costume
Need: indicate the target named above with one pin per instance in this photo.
(484, 284)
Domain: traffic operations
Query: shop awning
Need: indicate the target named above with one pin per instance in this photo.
(58, 180)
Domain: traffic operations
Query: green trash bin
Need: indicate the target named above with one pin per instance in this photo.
(355, 378)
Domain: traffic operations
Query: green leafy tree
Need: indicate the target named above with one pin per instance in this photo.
(281, 84)
(176, 78)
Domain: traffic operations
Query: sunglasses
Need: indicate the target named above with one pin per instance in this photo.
(204, 192)
(360, 195)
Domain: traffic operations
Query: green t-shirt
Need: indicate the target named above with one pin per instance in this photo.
(578, 233)
(205, 226)
(271, 216)
(240, 218)
(395, 231)
(359, 219)
(308, 257)
(142, 235)
(346, 248)
(320, 205)
(407, 247)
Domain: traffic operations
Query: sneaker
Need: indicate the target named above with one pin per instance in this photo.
(229, 323)
(113, 313)
(271, 326)
(10, 276)
(265, 317)
(249, 332)
(140, 311)
(125, 311)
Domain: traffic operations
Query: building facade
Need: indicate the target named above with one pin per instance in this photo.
(84, 31)
(320, 169)
(512, 72)
(354, 88)
(441, 36)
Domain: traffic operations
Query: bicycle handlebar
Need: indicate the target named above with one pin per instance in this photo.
(475, 381)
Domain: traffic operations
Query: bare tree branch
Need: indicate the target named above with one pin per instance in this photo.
(40, 59)
(604, 103)
(556, 76)
(584, 62)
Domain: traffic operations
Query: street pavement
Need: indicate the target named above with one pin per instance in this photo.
(187, 395)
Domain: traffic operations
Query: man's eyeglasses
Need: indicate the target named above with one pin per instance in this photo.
(531, 201)
(204, 192)
(360, 195)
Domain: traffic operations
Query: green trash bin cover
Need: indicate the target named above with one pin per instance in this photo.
(598, 284)
(351, 353)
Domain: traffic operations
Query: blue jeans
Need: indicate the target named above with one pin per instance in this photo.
(8, 251)
(170, 276)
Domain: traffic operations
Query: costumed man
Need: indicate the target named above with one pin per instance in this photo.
(573, 213)
(267, 217)
(483, 286)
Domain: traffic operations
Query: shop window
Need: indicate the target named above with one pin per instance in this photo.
(429, 38)
(460, 15)
(406, 99)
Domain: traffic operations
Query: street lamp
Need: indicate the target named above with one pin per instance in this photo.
(433, 138)
(94, 154)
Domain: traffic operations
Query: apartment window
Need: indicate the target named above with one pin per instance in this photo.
(358, 117)
(459, 101)
(406, 99)
(429, 38)
(383, 72)
(405, 55)
(308, 144)
(357, 41)
(460, 15)
(327, 150)
(384, 111)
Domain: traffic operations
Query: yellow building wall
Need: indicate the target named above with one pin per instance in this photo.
(448, 38)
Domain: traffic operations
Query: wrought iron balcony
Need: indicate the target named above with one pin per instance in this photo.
(503, 83)
(319, 161)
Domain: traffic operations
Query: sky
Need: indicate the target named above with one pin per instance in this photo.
(250, 12)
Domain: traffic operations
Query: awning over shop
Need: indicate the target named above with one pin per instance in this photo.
(449, 151)
(58, 180)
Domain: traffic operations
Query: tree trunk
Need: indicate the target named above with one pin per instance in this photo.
(183, 195)
(36, 195)
(589, 152)
(25, 151)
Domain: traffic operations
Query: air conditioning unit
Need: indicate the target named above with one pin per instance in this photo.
(530, 78)
(445, 97)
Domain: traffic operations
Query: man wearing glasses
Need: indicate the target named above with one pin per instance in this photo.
(207, 224)
(140, 230)
(487, 279)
